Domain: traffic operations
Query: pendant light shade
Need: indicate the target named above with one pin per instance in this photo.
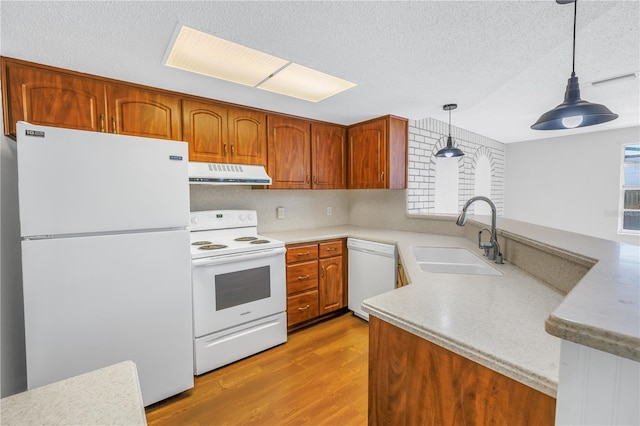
(573, 112)
(449, 151)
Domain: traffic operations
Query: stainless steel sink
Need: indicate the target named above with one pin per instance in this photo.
(451, 260)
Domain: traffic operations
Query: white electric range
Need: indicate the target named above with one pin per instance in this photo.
(239, 288)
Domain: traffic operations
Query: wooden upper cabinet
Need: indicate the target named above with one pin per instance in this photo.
(220, 134)
(329, 157)
(377, 151)
(289, 152)
(247, 136)
(204, 127)
(140, 112)
(50, 98)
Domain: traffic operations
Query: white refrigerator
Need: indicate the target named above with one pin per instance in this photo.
(105, 256)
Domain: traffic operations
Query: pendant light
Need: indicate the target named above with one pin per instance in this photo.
(449, 150)
(573, 112)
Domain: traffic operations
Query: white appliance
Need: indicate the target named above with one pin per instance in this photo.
(239, 288)
(372, 271)
(227, 174)
(105, 256)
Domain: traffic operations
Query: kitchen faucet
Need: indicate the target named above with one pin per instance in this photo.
(491, 248)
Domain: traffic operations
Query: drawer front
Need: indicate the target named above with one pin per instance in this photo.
(302, 276)
(302, 307)
(332, 248)
(302, 253)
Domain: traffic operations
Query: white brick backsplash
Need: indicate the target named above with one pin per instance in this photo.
(426, 137)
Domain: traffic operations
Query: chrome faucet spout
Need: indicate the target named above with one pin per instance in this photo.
(492, 248)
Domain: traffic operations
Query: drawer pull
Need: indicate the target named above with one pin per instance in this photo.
(305, 253)
(304, 308)
(331, 249)
(305, 277)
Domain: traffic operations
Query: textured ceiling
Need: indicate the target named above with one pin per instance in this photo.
(503, 62)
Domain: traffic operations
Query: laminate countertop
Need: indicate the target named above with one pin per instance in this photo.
(500, 321)
(108, 396)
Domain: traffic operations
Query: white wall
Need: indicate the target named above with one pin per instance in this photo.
(570, 183)
(13, 377)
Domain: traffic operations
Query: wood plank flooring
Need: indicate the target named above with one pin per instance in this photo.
(319, 377)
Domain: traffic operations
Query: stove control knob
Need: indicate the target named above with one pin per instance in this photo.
(251, 216)
(242, 218)
(194, 219)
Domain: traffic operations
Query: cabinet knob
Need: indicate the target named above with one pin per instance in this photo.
(102, 123)
(225, 149)
(113, 124)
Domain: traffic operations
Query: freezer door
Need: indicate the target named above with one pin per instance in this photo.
(95, 301)
(73, 182)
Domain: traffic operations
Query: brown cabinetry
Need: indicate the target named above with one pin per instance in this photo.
(331, 283)
(328, 156)
(415, 382)
(377, 151)
(289, 152)
(220, 134)
(315, 280)
(138, 112)
(305, 155)
(52, 97)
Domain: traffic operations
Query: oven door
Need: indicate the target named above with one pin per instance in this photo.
(235, 289)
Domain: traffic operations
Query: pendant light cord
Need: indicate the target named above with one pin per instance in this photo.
(575, 13)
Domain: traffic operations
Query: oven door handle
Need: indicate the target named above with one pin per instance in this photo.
(237, 257)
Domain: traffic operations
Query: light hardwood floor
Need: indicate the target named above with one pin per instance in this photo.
(318, 377)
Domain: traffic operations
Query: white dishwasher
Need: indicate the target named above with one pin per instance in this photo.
(372, 271)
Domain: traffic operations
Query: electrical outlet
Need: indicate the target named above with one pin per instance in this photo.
(329, 211)
(280, 212)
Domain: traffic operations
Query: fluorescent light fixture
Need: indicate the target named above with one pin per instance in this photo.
(305, 83)
(203, 53)
(213, 56)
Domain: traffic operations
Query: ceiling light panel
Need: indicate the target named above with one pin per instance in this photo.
(213, 56)
(305, 83)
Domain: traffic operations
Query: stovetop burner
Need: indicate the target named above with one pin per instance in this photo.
(216, 233)
(200, 243)
(246, 239)
(212, 247)
(256, 241)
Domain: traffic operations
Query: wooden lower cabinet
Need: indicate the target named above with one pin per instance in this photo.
(315, 280)
(415, 382)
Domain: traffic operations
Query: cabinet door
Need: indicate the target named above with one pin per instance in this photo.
(329, 160)
(330, 285)
(247, 136)
(289, 152)
(146, 113)
(51, 98)
(367, 155)
(204, 127)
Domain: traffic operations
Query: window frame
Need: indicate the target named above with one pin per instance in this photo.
(622, 189)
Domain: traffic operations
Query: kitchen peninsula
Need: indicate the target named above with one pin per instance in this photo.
(589, 296)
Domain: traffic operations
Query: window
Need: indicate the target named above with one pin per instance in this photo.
(630, 190)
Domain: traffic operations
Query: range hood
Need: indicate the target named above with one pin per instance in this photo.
(227, 174)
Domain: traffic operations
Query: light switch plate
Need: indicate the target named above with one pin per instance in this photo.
(280, 212)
